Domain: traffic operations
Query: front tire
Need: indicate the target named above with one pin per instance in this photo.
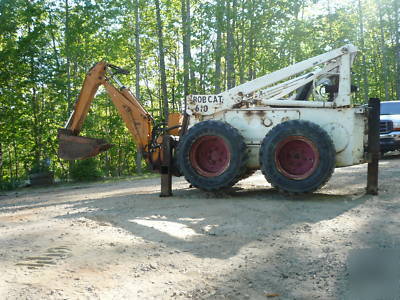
(297, 157)
(212, 155)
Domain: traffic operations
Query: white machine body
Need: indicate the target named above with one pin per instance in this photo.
(255, 107)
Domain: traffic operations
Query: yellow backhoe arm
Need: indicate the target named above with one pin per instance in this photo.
(136, 118)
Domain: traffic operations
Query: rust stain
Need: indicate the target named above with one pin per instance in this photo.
(284, 119)
(249, 115)
(261, 113)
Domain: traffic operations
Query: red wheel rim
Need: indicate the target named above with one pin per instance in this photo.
(296, 157)
(210, 155)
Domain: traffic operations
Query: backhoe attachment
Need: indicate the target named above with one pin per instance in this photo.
(137, 120)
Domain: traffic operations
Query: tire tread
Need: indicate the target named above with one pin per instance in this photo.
(327, 148)
(205, 127)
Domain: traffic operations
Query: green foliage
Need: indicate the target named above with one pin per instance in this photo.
(42, 166)
(85, 170)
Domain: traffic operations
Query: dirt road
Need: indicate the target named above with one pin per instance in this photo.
(121, 241)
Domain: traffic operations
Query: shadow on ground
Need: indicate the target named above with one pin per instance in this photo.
(212, 225)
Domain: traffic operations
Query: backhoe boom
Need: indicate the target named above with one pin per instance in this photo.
(136, 118)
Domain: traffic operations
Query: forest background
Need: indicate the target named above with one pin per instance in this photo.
(173, 48)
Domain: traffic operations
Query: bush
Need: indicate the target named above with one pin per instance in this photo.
(9, 185)
(42, 166)
(85, 170)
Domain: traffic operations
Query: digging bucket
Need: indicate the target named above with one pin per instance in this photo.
(73, 147)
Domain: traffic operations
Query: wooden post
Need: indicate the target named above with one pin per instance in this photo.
(166, 176)
(374, 106)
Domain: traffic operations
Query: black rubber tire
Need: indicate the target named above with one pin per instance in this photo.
(314, 134)
(237, 149)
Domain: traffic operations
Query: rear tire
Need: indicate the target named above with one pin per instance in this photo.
(297, 157)
(212, 155)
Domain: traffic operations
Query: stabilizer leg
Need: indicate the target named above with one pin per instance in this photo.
(166, 176)
(374, 105)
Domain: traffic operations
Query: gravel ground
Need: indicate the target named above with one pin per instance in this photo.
(121, 240)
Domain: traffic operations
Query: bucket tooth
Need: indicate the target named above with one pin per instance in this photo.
(73, 147)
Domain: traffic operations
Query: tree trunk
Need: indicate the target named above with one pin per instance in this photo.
(16, 159)
(296, 37)
(230, 43)
(1, 156)
(53, 40)
(397, 29)
(330, 35)
(163, 77)
(67, 47)
(137, 77)
(177, 104)
(1, 163)
(364, 64)
(35, 118)
(251, 16)
(189, 33)
(185, 11)
(242, 44)
(173, 84)
(383, 51)
(68, 67)
(201, 73)
(218, 45)
(10, 165)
